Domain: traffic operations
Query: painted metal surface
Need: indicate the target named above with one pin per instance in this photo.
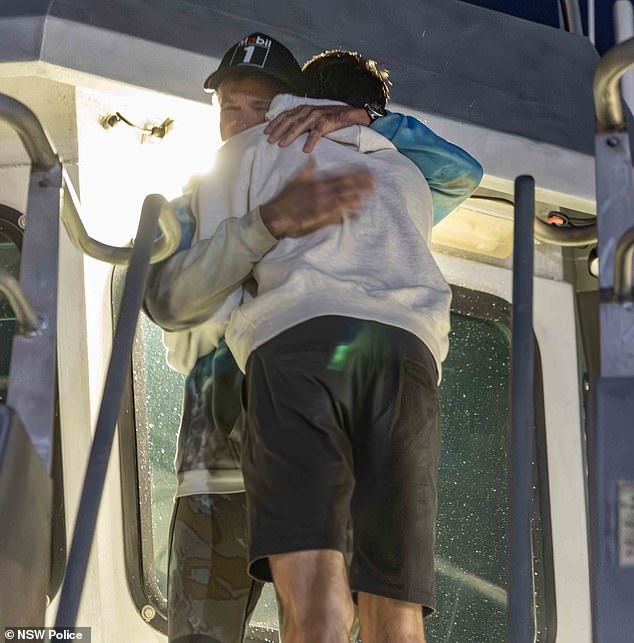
(446, 57)
(554, 321)
(28, 322)
(611, 468)
(615, 196)
(610, 435)
(33, 373)
(33, 370)
(25, 537)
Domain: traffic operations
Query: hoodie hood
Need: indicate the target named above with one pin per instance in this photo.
(363, 139)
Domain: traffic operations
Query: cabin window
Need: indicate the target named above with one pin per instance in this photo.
(159, 409)
(471, 545)
(149, 422)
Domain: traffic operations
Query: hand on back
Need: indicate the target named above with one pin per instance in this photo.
(310, 201)
(316, 120)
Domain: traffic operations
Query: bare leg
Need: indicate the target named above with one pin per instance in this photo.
(385, 620)
(313, 588)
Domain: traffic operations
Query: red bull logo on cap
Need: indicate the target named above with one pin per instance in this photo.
(252, 50)
(257, 40)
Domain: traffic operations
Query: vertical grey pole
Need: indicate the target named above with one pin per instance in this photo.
(118, 368)
(572, 16)
(520, 622)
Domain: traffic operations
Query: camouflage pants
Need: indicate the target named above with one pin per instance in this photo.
(210, 596)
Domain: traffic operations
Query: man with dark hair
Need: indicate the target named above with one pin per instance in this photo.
(451, 173)
(210, 594)
(369, 332)
(346, 76)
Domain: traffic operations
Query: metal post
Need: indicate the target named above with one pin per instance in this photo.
(520, 619)
(615, 216)
(592, 29)
(25, 467)
(108, 413)
(28, 323)
(33, 371)
(572, 16)
(610, 434)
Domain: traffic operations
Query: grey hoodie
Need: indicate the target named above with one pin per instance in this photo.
(376, 266)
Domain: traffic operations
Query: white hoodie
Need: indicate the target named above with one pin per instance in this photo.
(375, 266)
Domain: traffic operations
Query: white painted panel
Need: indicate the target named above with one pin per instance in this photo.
(554, 326)
(14, 186)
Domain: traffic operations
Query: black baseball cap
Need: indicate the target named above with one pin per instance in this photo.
(260, 54)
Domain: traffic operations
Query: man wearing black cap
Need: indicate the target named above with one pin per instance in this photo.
(263, 56)
(210, 595)
(244, 99)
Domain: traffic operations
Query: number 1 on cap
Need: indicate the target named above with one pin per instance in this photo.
(248, 54)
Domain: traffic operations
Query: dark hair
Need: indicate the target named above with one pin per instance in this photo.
(346, 76)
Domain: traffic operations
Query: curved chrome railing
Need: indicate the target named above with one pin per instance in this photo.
(623, 255)
(43, 157)
(162, 248)
(28, 322)
(119, 366)
(30, 131)
(607, 93)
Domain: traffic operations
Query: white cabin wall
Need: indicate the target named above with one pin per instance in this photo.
(554, 327)
(14, 186)
(116, 172)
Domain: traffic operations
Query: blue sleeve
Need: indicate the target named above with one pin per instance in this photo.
(451, 173)
(182, 209)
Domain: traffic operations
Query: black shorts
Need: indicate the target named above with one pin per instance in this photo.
(343, 426)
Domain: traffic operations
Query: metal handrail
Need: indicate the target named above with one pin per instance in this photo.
(118, 368)
(519, 611)
(623, 255)
(607, 95)
(162, 248)
(43, 157)
(28, 322)
(31, 133)
(570, 236)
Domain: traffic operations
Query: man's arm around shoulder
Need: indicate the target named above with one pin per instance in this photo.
(189, 287)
